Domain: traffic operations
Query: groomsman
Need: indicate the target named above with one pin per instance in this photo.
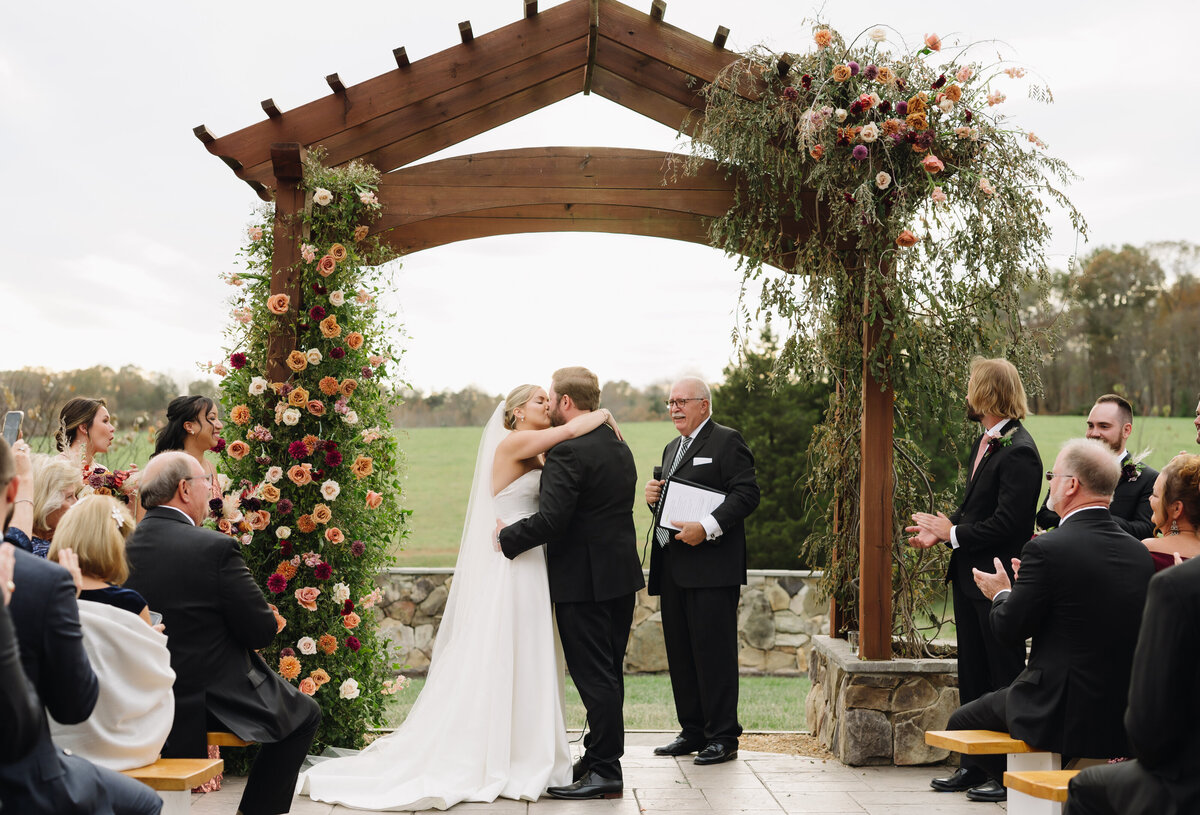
(1111, 422)
(698, 573)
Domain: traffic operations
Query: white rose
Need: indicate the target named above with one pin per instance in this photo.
(330, 490)
(869, 133)
(283, 532)
(337, 298)
(883, 181)
(307, 645)
(878, 35)
(946, 105)
(351, 417)
(840, 114)
(291, 417)
(223, 482)
(274, 474)
(313, 356)
(348, 689)
(322, 196)
(341, 593)
(258, 386)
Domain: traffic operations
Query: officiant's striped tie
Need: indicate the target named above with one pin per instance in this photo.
(664, 535)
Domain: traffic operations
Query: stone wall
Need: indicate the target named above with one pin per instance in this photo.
(778, 615)
(867, 712)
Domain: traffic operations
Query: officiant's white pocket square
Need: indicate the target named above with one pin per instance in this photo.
(698, 460)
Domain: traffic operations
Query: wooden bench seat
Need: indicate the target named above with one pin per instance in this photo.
(1022, 758)
(1038, 793)
(173, 779)
(222, 739)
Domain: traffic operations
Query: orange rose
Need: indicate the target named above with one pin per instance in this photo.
(916, 121)
(289, 667)
(278, 386)
(823, 37)
(360, 232)
(326, 265)
(330, 328)
(300, 475)
(298, 397)
(307, 597)
(319, 676)
(884, 76)
(918, 103)
(840, 73)
(316, 407)
(351, 620)
(328, 385)
(322, 514)
(374, 499)
(817, 151)
(334, 535)
(305, 524)
(286, 568)
(240, 415)
(259, 519)
(354, 340)
(297, 361)
(280, 623)
(328, 644)
(225, 527)
(278, 303)
(349, 386)
(238, 450)
(906, 239)
(363, 466)
(954, 93)
(269, 493)
(307, 686)
(337, 252)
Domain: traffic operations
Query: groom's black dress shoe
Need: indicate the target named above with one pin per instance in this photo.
(679, 747)
(715, 754)
(990, 791)
(589, 786)
(963, 779)
(578, 770)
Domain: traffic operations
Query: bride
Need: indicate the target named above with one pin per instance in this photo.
(489, 722)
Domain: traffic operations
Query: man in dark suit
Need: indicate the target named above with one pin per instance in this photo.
(586, 521)
(1163, 710)
(46, 618)
(216, 618)
(1111, 421)
(698, 571)
(1079, 595)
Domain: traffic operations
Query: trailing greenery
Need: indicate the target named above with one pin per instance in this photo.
(879, 186)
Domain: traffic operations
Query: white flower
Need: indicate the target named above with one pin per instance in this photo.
(878, 35)
(283, 532)
(258, 386)
(330, 490)
(341, 593)
(840, 114)
(869, 133)
(348, 689)
(351, 417)
(337, 298)
(368, 198)
(883, 181)
(307, 645)
(291, 417)
(946, 105)
(313, 356)
(223, 482)
(322, 196)
(274, 474)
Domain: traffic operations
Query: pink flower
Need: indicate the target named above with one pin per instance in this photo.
(220, 370)
(986, 187)
(255, 233)
(277, 583)
(376, 360)
(243, 315)
(307, 686)
(351, 620)
(933, 42)
(964, 73)
(374, 499)
(938, 196)
(307, 597)
(995, 98)
(368, 198)
(363, 297)
(932, 164)
(308, 253)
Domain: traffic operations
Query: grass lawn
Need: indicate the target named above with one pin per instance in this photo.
(764, 703)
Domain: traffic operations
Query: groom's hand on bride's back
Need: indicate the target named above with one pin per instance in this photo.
(496, 535)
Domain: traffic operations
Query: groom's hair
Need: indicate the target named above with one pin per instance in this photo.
(580, 384)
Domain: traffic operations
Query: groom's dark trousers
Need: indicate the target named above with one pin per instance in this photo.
(585, 518)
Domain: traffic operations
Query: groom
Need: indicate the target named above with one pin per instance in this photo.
(586, 522)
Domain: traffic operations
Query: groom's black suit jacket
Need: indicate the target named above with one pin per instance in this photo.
(1130, 505)
(585, 516)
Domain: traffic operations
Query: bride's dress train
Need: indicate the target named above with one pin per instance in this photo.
(489, 722)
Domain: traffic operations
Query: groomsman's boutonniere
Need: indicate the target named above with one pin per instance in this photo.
(1132, 469)
(1001, 441)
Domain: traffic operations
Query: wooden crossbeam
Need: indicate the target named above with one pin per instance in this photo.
(335, 83)
(464, 31)
(271, 109)
(721, 37)
(233, 163)
(531, 8)
(657, 9)
(401, 56)
(204, 134)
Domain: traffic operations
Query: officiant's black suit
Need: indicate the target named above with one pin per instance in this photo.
(216, 617)
(1130, 505)
(700, 587)
(994, 520)
(585, 518)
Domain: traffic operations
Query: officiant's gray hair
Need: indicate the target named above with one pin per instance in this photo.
(516, 398)
(697, 386)
(1092, 464)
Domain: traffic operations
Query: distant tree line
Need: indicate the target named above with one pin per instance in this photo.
(471, 407)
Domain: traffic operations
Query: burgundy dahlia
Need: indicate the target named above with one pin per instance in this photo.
(357, 548)
(939, 82)
(352, 643)
(237, 360)
(219, 447)
(806, 82)
(322, 571)
(333, 458)
(277, 583)
(317, 313)
(885, 106)
(337, 352)
(297, 450)
(215, 504)
(286, 549)
(856, 108)
(791, 94)
(967, 116)
(284, 506)
(367, 372)
(287, 652)
(347, 607)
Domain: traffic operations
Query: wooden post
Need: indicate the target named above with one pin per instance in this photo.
(287, 160)
(876, 490)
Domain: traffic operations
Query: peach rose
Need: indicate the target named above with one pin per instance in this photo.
(278, 303)
(351, 620)
(225, 527)
(328, 644)
(840, 73)
(316, 407)
(238, 450)
(823, 37)
(954, 93)
(298, 397)
(297, 361)
(354, 340)
(932, 164)
(280, 623)
(258, 519)
(349, 386)
(885, 76)
(289, 667)
(337, 252)
(308, 252)
(240, 415)
(891, 127)
(269, 493)
(322, 514)
(286, 568)
(300, 475)
(986, 187)
(326, 265)
(334, 535)
(964, 73)
(817, 151)
(933, 42)
(307, 686)
(328, 385)
(330, 328)
(906, 239)
(938, 196)
(305, 524)
(319, 676)
(374, 499)
(363, 466)
(360, 232)
(307, 597)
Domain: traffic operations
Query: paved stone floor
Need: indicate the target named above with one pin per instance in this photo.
(753, 784)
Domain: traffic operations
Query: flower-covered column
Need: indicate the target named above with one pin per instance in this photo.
(288, 163)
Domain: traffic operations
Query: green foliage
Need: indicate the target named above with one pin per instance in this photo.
(891, 195)
(311, 461)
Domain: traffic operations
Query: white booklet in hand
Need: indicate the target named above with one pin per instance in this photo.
(687, 502)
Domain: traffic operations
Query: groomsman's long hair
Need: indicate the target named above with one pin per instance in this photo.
(995, 389)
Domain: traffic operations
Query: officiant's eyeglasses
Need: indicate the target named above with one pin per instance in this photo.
(1051, 476)
(207, 478)
(680, 402)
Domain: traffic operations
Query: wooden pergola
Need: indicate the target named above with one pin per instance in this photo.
(637, 60)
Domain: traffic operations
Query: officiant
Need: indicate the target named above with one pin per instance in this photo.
(697, 570)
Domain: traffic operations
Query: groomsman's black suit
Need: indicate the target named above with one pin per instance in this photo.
(700, 587)
(1163, 711)
(48, 780)
(1079, 595)
(1130, 505)
(216, 617)
(994, 520)
(585, 518)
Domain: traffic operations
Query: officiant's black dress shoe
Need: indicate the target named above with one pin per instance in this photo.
(578, 770)
(589, 786)
(715, 754)
(963, 779)
(990, 791)
(679, 747)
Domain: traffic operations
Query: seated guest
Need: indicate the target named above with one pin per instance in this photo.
(218, 618)
(1079, 594)
(54, 485)
(1111, 422)
(1162, 715)
(20, 711)
(47, 779)
(1176, 504)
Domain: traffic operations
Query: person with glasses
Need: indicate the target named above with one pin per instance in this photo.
(698, 571)
(1078, 595)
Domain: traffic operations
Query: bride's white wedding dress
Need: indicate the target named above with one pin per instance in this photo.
(489, 722)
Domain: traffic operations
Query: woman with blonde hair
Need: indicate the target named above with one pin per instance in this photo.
(39, 507)
(1175, 508)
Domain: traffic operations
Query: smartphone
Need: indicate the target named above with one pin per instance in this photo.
(155, 618)
(12, 425)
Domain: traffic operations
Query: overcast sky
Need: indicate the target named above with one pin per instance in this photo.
(117, 222)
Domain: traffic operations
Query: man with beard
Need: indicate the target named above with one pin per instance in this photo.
(993, 522)
(1111, 422)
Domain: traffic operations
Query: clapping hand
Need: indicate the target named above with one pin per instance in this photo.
(7, 561)
(929, 530)
(992, 583)
(70, 561)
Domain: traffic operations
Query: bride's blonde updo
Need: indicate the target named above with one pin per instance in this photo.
(516, 398)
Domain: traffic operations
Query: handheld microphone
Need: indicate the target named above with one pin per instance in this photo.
(658, 473)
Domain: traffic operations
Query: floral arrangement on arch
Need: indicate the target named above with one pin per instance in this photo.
(312, 465)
